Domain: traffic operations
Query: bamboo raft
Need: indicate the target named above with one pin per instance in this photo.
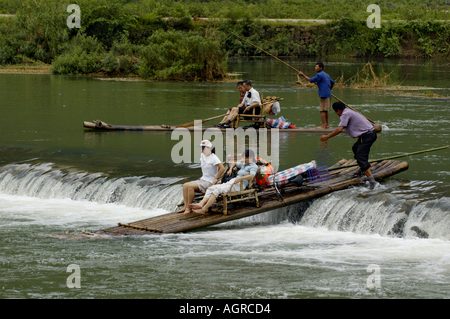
(169, 128)
(342, 176)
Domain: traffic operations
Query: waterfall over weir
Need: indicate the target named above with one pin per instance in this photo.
(353, 210)
(383, 213)
(43, 181)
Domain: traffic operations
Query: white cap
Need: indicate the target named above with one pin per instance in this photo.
(206, 143)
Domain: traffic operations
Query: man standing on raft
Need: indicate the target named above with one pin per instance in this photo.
(325, 84)
(357, 126)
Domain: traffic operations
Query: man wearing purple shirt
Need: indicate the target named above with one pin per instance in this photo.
(325, 84)
(356, 126)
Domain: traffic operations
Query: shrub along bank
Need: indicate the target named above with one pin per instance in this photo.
(415, 38)
(111, 41)
(118, 41)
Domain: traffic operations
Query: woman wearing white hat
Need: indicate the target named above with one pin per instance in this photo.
(212, 169)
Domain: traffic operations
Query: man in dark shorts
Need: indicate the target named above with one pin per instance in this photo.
(357, 126)
(251, 101)
(325, 85)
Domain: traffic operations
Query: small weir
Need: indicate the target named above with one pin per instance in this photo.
(351, 210)
(46, 182)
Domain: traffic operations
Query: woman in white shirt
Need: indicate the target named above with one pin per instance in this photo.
(212, 169)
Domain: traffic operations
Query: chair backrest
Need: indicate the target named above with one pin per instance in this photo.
(267, 103)
(265, 107)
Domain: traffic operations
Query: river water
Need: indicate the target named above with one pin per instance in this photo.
(392, 242)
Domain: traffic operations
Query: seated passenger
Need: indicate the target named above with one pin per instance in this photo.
(247, 171)
(240, 87)
(251, 100)
(212, 169)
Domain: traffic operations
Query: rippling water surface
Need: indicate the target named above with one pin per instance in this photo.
(55, 176)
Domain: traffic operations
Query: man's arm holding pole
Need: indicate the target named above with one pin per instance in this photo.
(306, 78)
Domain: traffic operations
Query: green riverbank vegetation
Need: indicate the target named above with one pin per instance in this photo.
(275, 9)
(111, 41)
(135, 37)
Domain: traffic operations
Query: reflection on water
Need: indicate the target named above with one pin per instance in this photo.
(323, 153)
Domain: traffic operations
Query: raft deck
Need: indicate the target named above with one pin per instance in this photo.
(268, 199)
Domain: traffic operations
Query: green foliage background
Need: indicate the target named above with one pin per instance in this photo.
(132, 37)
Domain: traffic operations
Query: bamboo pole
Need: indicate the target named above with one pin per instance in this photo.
(391, 157)
(372, 122)
(203, 121)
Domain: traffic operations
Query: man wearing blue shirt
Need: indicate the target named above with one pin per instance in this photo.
(325, 84)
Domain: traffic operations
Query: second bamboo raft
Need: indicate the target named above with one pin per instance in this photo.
(168, 128)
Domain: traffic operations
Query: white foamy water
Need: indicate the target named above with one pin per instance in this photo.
(17, 211)
(275, 257)
(283, 240)
(381, 212)
(45, 182)
(322, 248)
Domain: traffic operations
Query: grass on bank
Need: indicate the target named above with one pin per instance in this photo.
(277, 9)
(26, 66)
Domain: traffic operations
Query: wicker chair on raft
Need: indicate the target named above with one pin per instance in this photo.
(266, 177)
(260, 118)
(251, 193)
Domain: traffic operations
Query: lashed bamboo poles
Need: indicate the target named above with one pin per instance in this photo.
(372, 122)
(140, 228)
(172, 223)
(391, 157)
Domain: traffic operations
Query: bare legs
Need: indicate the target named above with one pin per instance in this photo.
(225, 117)
(204, 205)
(189, 190)
(324, 119)
(232, 115)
